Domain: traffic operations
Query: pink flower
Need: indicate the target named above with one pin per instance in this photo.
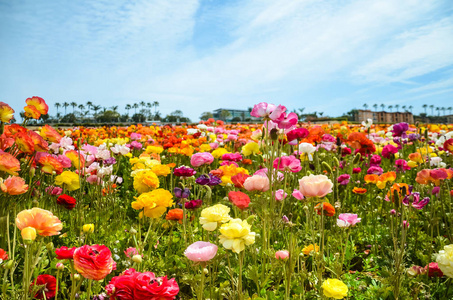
(282, 254)
(201, 251)
(434, 270)
(346, 220)
(232, 156)
(54, 190)
(388, 150)
(356, 170)
(265, 110)
(280, 195)
(287, 121)
(343, 179)
(257, 183)
(298, 195)
(131, 251)
(287, 163)
(136, 145)
(199, 159)
(401, 165)
(315, 185)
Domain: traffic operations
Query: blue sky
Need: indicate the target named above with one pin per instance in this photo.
(198, 56)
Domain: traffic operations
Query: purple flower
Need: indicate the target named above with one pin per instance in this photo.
(413, 137)
(400, 129)
(209, 180)
(375, 170)
(180, 193)
(110, 161)
(285, 219)
(416, 202)
(435, 191)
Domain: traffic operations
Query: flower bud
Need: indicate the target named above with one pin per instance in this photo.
(327, 167)
(356, 158)
(137, 258)
(28, 234)
(205, 271)
(59, 266)
(50, 247)
(88, 228)
(77, 277)
(9, 264)
(133, 231)
(250, 219)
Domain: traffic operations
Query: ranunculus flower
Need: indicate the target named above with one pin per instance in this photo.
(346, 220)
(175, 214)
(213, 216)
(3, 255)
(434, 270)
(130, 252)
(65, 252)
(148, 286)
(282, 254)
(50, 134)
(6, 112)
(239, 199)
(315, 186)
(388, 150)
(343, 179)
(210, 180)
(94, 262)
(202, 158)
(43, 221)
(239, 179)
(236, 234)
(287, 163)
(47, 284)
(444, 260)
(69, 180)
(67, 201)
(9, 163)
(298, 195)
(184, 171)
(280, 195)
(181, 193)
(14, 185)
(201, 251)
(193, 204)
(39, 104)
(257, 183)
(334, 288)
(297, 134)
(286, 121)
(327, 208)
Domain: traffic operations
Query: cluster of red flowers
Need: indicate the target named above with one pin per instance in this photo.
(132, 285)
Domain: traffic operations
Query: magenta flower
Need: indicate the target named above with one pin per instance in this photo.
(287, 121)
(416, 202)
(346, 220)
(388, 150)
(401, 165)
(343, 179)
(297, 134)
(280, 195)
(287, 163)
(375, 160)
(298, 195)
(356, 170)
(232, 156)
(201, 251)
(184, 171)
(203, 158)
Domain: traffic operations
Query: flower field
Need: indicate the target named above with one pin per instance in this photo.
(278, 210)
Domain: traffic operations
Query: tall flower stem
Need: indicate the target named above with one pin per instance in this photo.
(201, 288)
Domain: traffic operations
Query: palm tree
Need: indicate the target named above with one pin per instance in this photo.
(404, 107)
(438, 111)
(128, 108)
(424, 107)
(156, 105)
(96, 108)
(81, 107)
(375, 107)
(142, 104)
(57, 105)
(443, 110)
(383, 106)
(390, 107)
(449, 109)
(410, 108)
(74, 105)
(65, 105)
(365, 106)
(397, 106)
(149, 105)
(432, 109)
(135, 106)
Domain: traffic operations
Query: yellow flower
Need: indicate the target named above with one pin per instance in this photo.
(334, 288)
(69, 180)
(88, 228)
(154, 149)
(217, 153)
(145, 180)
(161, 170)
(154, 203)
(236, 234)
(28, 233)
(250, 148)
(213, 216)
(205, 148)
(307, 250)
(412, 164)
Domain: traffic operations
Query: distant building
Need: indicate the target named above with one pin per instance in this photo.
(234, 115)
(383, 116)
(449, 119)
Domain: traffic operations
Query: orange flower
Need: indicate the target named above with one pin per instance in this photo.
(6, 112)
(9, 163)
(24, 143)
(43, 221)
(401, 188)
(357, 190)
(307, 250)
(14, 185)
(39, 104)
(328, 209)
(176, 214)
(50, 134)
(50, 164)
(32, 112)
(417, 157)
(40, 144)
(424, 177)
(371, 178)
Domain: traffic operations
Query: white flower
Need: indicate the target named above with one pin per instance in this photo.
(342, 224)
(435, 161)
(202, 127)
(445, 260)
(191, 131)
(120, 149)
(105, 171)
(102, 154)
(368, 123)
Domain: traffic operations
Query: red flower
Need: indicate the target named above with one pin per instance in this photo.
(65, 252)
(240, 199)
(328, 209)
(148, 286)
(47, 286)
(67, 201)
(239, 179)
(123, 286)
(94, 262)
(3, 255)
